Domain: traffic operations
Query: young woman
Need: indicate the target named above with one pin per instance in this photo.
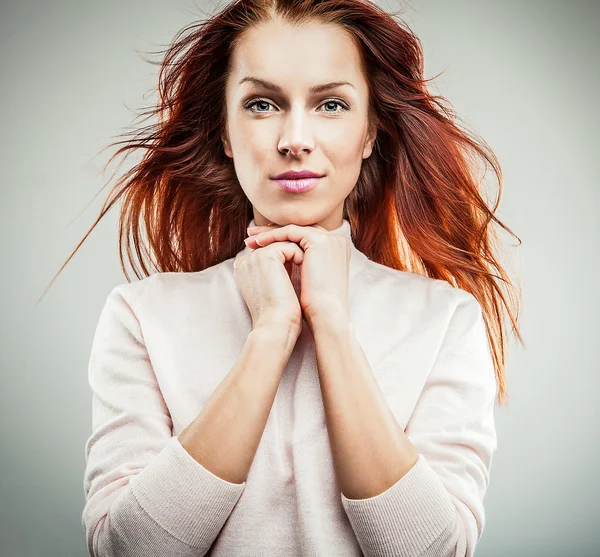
(323, 384)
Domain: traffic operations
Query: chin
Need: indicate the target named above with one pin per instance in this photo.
(300, 220)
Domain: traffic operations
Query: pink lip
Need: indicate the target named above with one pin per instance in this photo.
(297, 175)
(298, 186)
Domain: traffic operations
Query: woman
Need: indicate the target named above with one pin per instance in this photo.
(327, 388)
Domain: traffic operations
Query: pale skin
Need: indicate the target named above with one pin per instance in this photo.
(370, 450)
(326, 132)
(269, 132)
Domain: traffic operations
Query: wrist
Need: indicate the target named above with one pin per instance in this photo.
(275, 336)
(331, 323)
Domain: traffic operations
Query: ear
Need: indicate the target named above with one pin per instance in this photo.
(369, 144)
(226, 146)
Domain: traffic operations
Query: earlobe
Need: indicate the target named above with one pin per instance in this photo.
(368, 149)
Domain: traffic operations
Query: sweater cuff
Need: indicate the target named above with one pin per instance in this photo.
(183, 497)
(406, 518)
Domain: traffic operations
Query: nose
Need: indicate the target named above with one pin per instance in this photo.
(296, 136)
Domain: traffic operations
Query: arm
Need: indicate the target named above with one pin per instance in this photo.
(148, 492)
(225, 435)
(417, 493)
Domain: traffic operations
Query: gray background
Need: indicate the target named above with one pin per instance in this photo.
(524, 75)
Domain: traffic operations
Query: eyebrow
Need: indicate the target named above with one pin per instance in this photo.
(315, 89)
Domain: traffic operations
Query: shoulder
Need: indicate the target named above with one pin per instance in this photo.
(412, 283)
(172, 287)
(416, 294)
(381, 275)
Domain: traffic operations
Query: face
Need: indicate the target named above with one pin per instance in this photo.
(280, 124)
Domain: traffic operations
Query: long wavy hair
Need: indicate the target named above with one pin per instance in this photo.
(417, 204)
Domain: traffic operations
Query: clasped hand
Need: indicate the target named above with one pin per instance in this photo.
(324, 268)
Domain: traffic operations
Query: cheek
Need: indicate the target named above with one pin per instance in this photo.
(257, 141)
(346, 140)
(251, 146)
(346, 153)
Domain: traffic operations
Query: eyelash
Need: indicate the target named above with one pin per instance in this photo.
(255, 101)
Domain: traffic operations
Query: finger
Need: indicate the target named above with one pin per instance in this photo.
(254, 230)
(286, 251)
(292, 233)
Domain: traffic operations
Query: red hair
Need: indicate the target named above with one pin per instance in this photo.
(417, 204)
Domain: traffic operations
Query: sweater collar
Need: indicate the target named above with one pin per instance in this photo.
(357, 258)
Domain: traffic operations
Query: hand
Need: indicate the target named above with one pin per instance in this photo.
(324, 271)
(262, 277)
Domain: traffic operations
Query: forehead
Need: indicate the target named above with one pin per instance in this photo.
(294, 56)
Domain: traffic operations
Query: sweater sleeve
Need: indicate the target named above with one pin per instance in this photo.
(436, 509)
(144, 493)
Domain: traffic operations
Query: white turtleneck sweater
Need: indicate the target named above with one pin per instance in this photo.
(163, 344)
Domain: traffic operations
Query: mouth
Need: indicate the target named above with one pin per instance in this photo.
(298, 185)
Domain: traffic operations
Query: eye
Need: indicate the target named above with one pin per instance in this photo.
(258, 101)
(334, 102)
(343, 106)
